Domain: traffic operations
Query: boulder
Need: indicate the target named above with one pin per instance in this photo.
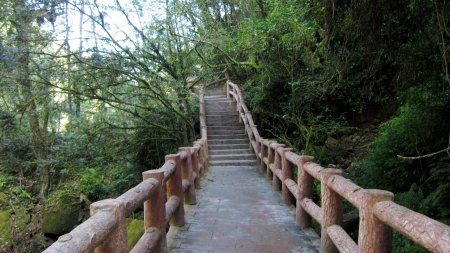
(5, 222)
(331, 143)
(135, 229)
(61, 214)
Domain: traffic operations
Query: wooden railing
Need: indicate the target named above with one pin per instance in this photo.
(176, 181)
(377, 211)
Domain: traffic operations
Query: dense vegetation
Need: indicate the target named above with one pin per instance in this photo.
(93, 93)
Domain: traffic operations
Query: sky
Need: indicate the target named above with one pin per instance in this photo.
(140, 14)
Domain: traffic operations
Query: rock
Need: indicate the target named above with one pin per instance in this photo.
(356, 138)
(5, 222)
(61, 214)
(135, 229)
(339, 160)
(5, 228)
(15, 219)
(39, 241)
(331, 143)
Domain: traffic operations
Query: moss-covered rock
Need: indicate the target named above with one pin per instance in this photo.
(5, 228)
(135, 229)
(5, 222)
(14, 219)
(61, 214)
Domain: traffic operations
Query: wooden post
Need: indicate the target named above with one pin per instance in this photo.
(239, 108)
(204, 150)
(251, 139)
(117, 242)
(195, 168)
(305, 186)
(331, 210)
(175, 188)
(270, 160)
(228, 85)
(155, 208)
(276, 182)
(374, 236)
(187, 174)
(263, 153)
(288, 173)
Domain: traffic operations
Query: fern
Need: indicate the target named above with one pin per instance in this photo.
(439, 198)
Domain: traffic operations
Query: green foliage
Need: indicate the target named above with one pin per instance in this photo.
(438, 201)
(92, 184)
(421, 128)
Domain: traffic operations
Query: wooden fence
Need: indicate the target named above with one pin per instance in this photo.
(377, 211)
(176, 181)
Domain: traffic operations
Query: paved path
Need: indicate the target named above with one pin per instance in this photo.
(237, 211)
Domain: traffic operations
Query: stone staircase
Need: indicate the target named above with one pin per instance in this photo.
(227, 141)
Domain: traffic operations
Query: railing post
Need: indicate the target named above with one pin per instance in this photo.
(288, 173)
(228, 85)
(204, 86)
(155, 208)
(117, 242)
(305, 187)
(239, 109)
(332, 210)
(187, 174)
(175, 188)
(203, 156)
(263, 153)
(195, 168)
(251, 139)
(270, 160)
(374, 236)
(276, 182)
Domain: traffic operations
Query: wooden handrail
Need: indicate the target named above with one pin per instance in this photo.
(105, 230)
(378, 213)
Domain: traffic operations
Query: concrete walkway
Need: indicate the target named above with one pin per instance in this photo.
(237, 211)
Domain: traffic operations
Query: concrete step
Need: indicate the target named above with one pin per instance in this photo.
(228, 146)
(233, 157)
(211, 131)
(231, 151)
(224, 124)
(228, 141)
(225, 127)
(222, 114)
(233, 163)
(227, 136)
(221, 109)
(219, 104)
(226, 118)
(217, 98)
(221, 125)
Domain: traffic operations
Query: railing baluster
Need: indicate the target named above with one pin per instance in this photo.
(155, 208)
(305, 190)
(332, 210)
(374, 236)
(175, 188)
(187, 174)
(276, 181)
(288, 173)
(270, 160)
(261, 155)
(117, 242)
(195, 167)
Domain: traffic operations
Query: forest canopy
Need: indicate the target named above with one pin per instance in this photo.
(94, 92)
